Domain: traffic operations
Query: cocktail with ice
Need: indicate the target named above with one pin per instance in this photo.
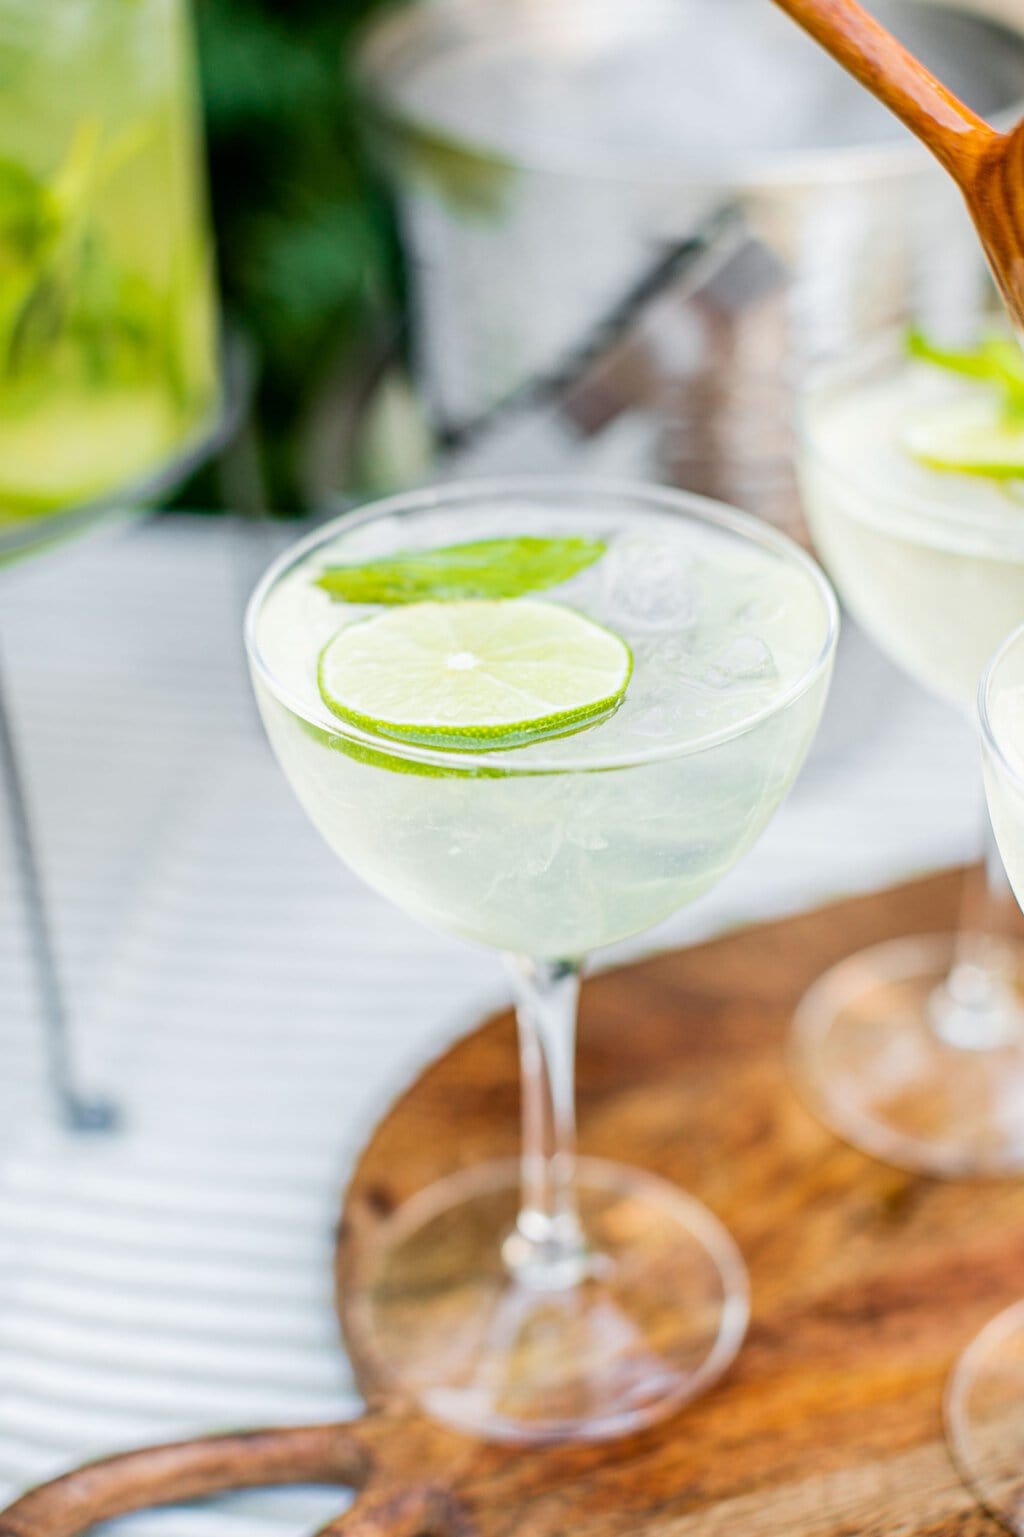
(912, 466)
(985, 1399)
(546, 716)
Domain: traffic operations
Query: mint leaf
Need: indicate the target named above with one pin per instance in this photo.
(66, 302)
(36, 326)
(26, 212)
(485, 568)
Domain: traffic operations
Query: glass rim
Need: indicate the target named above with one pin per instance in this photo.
(501, 761)
(990, 737)
(381, 39)
(838, 374)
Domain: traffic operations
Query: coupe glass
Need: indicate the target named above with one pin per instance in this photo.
(914, 1050)
(559, 1297)
(985, 1400)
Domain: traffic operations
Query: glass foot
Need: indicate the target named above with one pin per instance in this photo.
(917, 1073)
(985, 1417)
(658, 1316)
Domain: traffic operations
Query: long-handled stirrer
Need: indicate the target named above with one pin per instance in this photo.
(987, 166)
(78, 1111)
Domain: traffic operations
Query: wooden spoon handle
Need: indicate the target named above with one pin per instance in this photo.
(954, 134)
(164, 1475)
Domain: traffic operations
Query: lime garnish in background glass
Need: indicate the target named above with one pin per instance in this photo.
(983, 433)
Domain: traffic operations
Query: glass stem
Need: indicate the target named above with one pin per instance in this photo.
(977, 1009)
(548, 1248)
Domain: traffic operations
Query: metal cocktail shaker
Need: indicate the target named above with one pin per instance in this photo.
(553, 160)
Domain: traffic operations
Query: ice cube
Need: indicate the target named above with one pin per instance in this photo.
(747, 659)
(649, 586)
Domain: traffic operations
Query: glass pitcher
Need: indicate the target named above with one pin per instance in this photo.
(108, 331)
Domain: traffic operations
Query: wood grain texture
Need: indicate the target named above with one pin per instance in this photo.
(880, 62)
(994, 189)
(987, 166)
(866, 1285)
(162, 1475)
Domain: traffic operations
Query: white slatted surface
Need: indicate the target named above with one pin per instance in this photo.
(254, 1007)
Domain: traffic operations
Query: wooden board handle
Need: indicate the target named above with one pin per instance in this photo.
(393, 1459)
(954, 134)
(165, 1475)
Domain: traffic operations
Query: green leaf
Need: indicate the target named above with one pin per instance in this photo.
(26, 212)
(485, 568)
(259, 69)
(36, 326)
(65, 301)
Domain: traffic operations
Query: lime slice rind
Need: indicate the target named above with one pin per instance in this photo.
(451, 675)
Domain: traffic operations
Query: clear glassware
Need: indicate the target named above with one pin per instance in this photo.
(109, 368)
(108, 329)
(914, 1050)
(561, 1297)
(985, 1397)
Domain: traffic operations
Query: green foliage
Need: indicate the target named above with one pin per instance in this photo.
(65, 301)
(303, 224)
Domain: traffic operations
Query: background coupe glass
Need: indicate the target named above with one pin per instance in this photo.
(914, 1050)
(985, 1403)
(561, 1297)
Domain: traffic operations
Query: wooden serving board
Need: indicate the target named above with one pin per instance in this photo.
(867, 1283)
